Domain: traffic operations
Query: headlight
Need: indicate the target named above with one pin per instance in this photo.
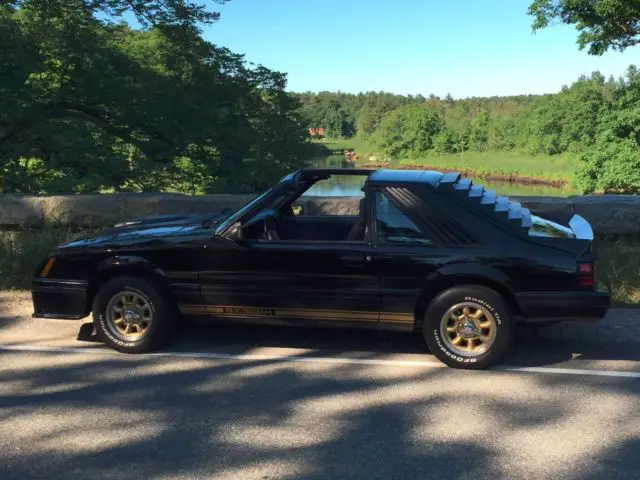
(47, 267)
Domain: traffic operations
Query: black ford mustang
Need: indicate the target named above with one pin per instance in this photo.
(428, 252)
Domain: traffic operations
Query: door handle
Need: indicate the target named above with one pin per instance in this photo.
(356, 260)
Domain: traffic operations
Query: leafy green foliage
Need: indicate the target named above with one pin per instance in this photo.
(605, 118)
(603, 24)
(344, 115)
(612, 164)
(611, 167)
(408, 131)
(89, 104)
(595, 118)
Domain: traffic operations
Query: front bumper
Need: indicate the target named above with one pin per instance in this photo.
(547, 306)
(56, 298)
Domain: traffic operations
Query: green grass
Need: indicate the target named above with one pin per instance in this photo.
(618, 267)
(20, 252)
(556, 167)
(618, 264)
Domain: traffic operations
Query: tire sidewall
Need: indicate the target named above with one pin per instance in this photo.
(150, 293)
(485, 297)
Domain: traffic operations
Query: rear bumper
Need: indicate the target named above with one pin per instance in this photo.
(56, 298)
(546, 306)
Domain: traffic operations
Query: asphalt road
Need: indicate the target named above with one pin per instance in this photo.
(272, 403)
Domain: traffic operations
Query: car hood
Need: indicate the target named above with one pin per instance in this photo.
(145, 232)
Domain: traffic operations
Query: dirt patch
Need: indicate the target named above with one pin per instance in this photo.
(15, 307)
(15, 303)
(487, 176)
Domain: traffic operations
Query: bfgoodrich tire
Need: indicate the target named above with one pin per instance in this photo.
(134, 315)
(468, 327)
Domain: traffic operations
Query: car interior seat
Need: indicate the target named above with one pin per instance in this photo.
(357, 232)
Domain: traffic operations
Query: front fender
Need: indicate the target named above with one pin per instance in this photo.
(129, 262)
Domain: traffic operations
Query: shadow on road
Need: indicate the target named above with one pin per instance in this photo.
(531, 347)
(95, 416)
(146, 417)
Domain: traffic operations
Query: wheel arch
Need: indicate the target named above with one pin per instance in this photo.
(464, 274)
(120, 266)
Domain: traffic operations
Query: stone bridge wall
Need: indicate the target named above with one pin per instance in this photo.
(607, 213)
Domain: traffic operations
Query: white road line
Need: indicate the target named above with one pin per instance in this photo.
(571, 371)
(287, 358)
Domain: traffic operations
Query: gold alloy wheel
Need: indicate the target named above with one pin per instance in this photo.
(128, 315)
(468, 329)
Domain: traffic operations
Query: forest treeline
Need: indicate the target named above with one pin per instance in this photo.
(126, 95)
(595, 117)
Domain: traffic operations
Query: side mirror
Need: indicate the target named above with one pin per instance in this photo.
(235, 233)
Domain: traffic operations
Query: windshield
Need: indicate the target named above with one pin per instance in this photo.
(240, 213)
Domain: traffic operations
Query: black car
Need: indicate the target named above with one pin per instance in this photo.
(428, 252)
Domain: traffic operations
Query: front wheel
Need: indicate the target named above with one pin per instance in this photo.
(133, 315)
(468, 327)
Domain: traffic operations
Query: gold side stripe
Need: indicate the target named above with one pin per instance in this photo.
(270, 312)
(267, 311)
(236, 311)
(396, 317)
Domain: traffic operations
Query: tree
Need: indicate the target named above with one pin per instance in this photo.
(480, 131)
(368, 120)
(444, 141)
(603, 24)
(408, 131)
(170, 15)
(90, 104)
(612, 164)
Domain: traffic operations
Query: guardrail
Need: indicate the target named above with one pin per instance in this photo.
(607, 214)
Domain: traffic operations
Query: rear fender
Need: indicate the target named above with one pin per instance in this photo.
(466, 274)
(474, 270)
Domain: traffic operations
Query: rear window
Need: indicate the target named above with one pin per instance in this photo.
(542, 227)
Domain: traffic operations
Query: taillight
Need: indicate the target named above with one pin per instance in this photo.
(587, 274)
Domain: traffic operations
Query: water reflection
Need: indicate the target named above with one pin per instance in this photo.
(338, 186)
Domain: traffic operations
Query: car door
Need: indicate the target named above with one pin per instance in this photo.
(406, 256)
(293, 280)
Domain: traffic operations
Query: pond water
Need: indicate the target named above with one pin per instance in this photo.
(350, 186)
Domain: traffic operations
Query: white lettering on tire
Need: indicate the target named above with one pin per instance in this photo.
(448, 353)
(493, 311)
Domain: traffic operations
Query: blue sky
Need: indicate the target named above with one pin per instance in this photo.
(462, 47)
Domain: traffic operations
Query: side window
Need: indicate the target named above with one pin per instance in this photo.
(326, 196)
(394, 226)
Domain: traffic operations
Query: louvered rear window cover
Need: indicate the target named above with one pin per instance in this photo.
(440, 224)
(503, 209)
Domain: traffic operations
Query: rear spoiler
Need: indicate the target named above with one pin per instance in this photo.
(579, 245)
(581, 228)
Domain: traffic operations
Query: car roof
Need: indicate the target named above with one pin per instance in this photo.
(407, 176)
(375, 177)
(321, 172)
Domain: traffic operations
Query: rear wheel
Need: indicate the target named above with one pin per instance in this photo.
(133, 315)
(468, 327)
